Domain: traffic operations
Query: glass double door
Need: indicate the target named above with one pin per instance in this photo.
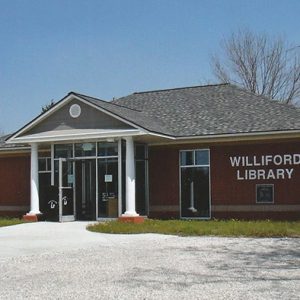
(85, 172)
(89, 205)
(79, 181)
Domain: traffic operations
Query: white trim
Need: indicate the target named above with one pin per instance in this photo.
(238, 137)
(226, 135)
(169, 137)
(75, 110)
(77, 136)
(19, 149)
(60, 191)
(52, 164)
(194, 166)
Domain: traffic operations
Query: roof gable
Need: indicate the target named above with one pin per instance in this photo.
(89, 118)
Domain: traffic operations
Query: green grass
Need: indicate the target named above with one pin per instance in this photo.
(9, 221)
(200, 228)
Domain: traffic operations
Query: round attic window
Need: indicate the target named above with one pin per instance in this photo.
(75, 111)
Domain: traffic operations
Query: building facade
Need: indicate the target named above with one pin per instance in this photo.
(205, 152)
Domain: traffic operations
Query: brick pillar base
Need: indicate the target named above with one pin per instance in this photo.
(136, 219)
(32, 218)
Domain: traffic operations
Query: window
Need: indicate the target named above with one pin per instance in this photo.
(194, 183)
(108, 149)
(85, 149)
(44, 164)
(186, 158)
(201, 158)
(265, 193)
(63, 150)
(194, 158)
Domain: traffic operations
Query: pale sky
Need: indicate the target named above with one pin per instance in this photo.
(109, 48)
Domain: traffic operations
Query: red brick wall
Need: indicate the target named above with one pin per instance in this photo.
(14, 184)
(163, 182)
(239, 196)
(227, 190)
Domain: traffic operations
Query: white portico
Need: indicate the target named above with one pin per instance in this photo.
(83, 163)
(127, 142)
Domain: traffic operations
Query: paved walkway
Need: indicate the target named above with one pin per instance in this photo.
(64, 261)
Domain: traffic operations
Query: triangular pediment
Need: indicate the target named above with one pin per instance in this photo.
(73, 113)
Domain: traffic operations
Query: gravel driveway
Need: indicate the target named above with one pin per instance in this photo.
(64, 261)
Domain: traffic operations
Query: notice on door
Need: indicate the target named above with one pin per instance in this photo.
(108, 178)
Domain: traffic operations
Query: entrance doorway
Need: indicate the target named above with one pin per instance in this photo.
(108, 200)
(85, 191)
(86, 181)
(66, 206)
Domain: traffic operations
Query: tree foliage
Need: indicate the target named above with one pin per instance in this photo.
(48, 106)
(262, 64)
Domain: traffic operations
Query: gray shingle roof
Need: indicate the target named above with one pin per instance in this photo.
(203, 110)
(197, 111)
(131, 114)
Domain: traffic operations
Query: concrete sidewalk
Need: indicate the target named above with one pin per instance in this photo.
(65, 261)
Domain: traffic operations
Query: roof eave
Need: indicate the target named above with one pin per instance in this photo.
(236, 137)
(76, 136)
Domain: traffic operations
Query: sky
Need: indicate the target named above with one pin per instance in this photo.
(112, 48)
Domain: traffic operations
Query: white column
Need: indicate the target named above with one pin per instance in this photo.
(34, 181)
(130, 179)
(119, 177)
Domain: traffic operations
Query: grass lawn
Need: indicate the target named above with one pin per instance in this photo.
(9, 221)
(199, 228)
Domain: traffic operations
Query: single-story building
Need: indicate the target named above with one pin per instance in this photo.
(214, 151)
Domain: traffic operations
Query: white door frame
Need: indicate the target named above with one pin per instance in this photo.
(62, 218)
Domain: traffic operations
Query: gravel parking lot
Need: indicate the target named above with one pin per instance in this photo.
(64, 261)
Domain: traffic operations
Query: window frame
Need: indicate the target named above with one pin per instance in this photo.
(47, 164)
(209, 180)
(273, 193)
(194, 158)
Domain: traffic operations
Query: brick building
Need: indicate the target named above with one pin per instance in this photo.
(214, 151)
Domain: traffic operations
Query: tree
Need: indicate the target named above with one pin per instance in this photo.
(261, 64)
(48, 106)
